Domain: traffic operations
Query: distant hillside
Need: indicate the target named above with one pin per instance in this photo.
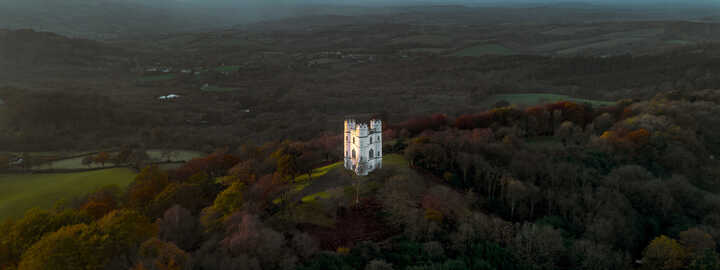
(102, 19)
(113, 19)
(28, 48)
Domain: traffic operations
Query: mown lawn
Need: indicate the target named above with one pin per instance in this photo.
(537, 98)
(20, 192)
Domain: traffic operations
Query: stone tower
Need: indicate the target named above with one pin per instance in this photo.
(363, 144)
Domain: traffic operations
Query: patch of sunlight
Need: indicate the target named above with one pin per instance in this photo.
(313, 197)
(318, 172)
(394, 160)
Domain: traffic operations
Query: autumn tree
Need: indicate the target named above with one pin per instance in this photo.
(101, 158)
(102, 201)
(664, 253)
(87, 161)
(155, 254)
(150, 182)
(287, 158)
(70, 247)
(112, 239)
(20, 235)
(231, 199)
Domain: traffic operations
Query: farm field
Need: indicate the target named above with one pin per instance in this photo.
(156, 155)
(538, 98)
(484, 49)
(212, 88)
(227, 68)
(68, 164)
(20, 192)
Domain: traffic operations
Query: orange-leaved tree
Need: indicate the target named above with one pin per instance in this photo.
(664, 253)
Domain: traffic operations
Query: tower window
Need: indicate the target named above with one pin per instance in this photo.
(371, 153)
(353, 153)
(370, 140)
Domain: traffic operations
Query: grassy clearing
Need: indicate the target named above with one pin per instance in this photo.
(314, 197)
(157, 78)
(227, 68)
(76, 162)
(20, 192)
(302, 181)
(535, 99)
(484, 49)
(394, 160)
(319, 172)
(211, 88)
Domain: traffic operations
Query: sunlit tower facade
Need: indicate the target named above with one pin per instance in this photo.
(363, 144)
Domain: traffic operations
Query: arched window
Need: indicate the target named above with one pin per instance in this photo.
(371, 153)
(353, 153)
(371, 140)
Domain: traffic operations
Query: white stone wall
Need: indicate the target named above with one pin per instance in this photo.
(361, 138)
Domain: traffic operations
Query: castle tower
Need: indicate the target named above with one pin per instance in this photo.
(363, 144)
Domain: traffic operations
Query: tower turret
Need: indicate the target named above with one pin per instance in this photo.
(363, 144)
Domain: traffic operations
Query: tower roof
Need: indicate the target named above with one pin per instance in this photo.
(363, 118)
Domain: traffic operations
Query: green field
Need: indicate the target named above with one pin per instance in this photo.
(68, 164)
(484, 49)
(212, 88)
(394, 160)
(535, 99)
(227, 68)
(157, 78)
(20, 192)
(76, 162)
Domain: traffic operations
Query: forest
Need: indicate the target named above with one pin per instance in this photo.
(555, 186)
